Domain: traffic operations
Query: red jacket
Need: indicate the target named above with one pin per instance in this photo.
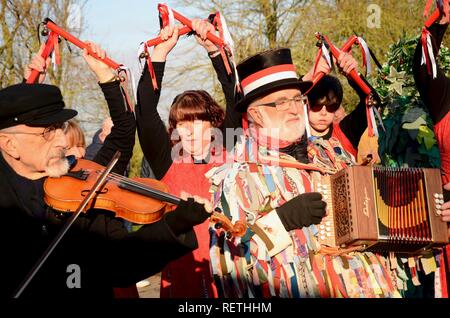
(190, 276)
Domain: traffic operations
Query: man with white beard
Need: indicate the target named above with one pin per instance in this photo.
(270, 190)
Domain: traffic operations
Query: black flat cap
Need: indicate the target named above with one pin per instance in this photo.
(36, 105)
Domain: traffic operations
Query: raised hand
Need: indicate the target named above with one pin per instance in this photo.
(103, 72)
(39, 64)
(347, 63)
(169, 35)
(322, 67)
(201, 28)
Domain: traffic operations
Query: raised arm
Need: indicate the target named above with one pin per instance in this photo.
(233, 119)
(153, 136)
(434, 92)
(122, 133)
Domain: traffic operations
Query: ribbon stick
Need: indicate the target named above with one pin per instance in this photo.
(185, 21)
(227, 51)
(370, 102)
(225, 43)
(54, 32)
(345, 48)
(353, 75)
(48, 49)
(155, 41)
(442, 9)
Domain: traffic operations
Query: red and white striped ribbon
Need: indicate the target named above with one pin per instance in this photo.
(166, 15)
(427, 53)
(366, 55)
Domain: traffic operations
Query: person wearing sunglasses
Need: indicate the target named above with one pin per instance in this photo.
(342, 138)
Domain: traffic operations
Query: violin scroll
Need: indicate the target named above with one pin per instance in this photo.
(237, 229)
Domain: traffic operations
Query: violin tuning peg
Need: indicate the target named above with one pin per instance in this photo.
(218, 225)
(229, 235)
(218, 210)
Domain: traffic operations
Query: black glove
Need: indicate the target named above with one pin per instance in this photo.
(446, 195)
(186, 215)
(303, 210)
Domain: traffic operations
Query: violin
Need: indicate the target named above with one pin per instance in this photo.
(138, 200)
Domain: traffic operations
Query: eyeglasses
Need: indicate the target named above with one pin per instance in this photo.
(49, 132)
(282, 104)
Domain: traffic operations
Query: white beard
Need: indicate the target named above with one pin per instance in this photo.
(58, 169)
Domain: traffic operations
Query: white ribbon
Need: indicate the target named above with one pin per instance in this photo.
(228, 39)
(374, 123)
(170, 12)
(141, 50)
(130, 76)
(326, 54)
(375, 110)
(365, 47)
(307, 128)
(429, 48)
(54, 65)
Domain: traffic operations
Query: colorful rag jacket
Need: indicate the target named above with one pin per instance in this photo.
(266, 265)
(329, 154)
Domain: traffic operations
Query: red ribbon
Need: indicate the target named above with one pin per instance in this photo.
(218, 24)
(52, 44)
(150, 67)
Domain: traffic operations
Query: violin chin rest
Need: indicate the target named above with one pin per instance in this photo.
(72, 160)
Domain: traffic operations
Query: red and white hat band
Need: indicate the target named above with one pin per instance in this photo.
(268, 75)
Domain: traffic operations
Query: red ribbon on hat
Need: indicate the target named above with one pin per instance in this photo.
(52, 46)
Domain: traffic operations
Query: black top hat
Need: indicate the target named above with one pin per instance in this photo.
(266, 72)
(37, 105)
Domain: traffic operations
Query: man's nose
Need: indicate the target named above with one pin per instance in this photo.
(294, 108)
(61, 139)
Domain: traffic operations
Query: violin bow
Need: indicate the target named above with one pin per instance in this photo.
(98, 184)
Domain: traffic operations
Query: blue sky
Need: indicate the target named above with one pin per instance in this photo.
(121, 24)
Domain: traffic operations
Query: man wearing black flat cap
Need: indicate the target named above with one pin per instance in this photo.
(97, 253)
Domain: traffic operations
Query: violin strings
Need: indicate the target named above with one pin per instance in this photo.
(127, 181)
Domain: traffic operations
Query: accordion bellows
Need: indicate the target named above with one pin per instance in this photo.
(383, 209)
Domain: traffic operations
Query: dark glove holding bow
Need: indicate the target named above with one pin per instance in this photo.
(188, 214)
(303, 210)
